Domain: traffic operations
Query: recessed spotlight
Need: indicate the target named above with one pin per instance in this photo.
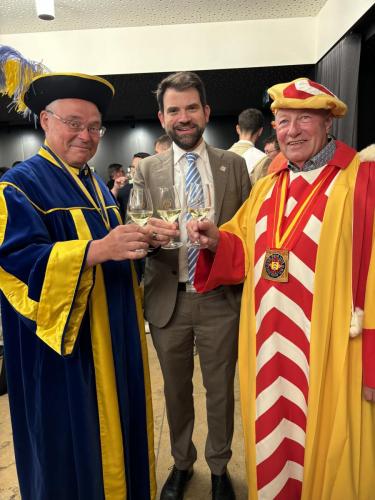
(45, 9)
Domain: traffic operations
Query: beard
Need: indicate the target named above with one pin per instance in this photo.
(187, 142)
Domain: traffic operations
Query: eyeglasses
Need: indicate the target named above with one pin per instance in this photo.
(272, 151)
(77, 126)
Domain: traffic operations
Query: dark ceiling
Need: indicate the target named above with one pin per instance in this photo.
(228, 92)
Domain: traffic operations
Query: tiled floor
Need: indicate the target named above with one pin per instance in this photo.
(199, 487)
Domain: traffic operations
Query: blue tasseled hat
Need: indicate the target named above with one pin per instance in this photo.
(51, 86)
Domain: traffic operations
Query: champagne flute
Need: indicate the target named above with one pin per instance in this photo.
(169, 209)
(140, 207)
(198, 204)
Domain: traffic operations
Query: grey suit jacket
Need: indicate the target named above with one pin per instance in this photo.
(232, 187)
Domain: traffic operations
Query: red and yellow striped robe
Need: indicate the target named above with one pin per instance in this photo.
(308, 431)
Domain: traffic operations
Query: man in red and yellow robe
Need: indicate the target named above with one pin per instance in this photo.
(302, 244)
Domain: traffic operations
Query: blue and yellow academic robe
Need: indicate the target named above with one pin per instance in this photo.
(75, 350)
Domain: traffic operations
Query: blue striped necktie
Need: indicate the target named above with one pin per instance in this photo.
(193, 177)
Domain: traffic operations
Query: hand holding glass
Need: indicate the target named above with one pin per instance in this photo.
(198, 204)
(169, 209)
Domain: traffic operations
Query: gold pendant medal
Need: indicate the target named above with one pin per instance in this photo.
(276, 265)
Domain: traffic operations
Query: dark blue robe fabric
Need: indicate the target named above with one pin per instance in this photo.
(53, 395)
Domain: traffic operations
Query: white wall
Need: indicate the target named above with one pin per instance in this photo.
(150, 49)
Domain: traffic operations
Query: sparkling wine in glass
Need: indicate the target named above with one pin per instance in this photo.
(169, 209)
(140, 207)
(198, 204)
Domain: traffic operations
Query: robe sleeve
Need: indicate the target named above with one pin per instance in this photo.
(45, 281)
(229, 265)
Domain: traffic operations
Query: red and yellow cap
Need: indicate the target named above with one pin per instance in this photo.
(304, 93)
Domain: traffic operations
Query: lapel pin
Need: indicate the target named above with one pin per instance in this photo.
(222, 168)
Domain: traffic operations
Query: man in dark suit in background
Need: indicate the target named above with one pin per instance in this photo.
(119, 186)
(162, 143)
(176, 313)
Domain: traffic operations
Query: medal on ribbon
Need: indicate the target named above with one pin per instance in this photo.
(276, 264)
(276, 260)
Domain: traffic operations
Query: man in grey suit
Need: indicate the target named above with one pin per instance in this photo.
(176, 313)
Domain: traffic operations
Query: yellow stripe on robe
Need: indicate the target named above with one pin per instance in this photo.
(340, 434)
(16, 292)
(3, 213)
(64, 295)
(369, 317)
(146, 375)
(113, 460)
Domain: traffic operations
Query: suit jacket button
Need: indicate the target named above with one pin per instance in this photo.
(174, 273)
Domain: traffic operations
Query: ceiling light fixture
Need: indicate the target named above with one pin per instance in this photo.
(45, 9)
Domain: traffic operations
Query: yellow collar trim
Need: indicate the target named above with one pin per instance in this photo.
(74, 172)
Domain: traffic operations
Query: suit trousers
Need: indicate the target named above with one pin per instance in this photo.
(214, 323)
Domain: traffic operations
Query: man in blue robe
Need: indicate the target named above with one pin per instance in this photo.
(75, 349)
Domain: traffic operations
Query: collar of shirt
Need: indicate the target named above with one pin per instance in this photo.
(319, 160)
(84, 171)
(245, 141)
(179, 153)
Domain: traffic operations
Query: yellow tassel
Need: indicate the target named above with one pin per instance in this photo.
(16, 74)
(12, 71)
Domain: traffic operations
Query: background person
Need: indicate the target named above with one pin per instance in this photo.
(115, 171)
(120, 187)
(271, 146)
(137, 157)
(249, 128)
(162, 143)
(272, 149)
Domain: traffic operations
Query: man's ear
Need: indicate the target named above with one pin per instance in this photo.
(329, 122)
(207, 112)
(238, 130)
(161, 118)
(43, 120)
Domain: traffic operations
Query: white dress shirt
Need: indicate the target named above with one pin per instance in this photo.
(252, 156)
